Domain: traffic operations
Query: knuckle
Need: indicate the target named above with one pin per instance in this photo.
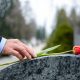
(17, 53)
(16, 40)
(23, 50)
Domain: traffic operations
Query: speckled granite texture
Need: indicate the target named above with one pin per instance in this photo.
(46, 68)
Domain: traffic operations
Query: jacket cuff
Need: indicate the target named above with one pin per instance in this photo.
(2, 44)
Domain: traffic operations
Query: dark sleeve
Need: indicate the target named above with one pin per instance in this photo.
(0, 38)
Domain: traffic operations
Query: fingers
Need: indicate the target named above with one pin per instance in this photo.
(19, 49)
(28, 49)
(17, 54)
(22, 50)
(31, 51)
(27, 54)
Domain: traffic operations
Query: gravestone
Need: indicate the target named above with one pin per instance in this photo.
(62, 67)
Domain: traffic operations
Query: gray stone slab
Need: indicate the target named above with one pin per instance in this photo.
(63, 67)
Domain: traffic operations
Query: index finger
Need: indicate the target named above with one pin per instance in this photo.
(29, 50)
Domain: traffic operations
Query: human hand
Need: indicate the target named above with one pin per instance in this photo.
(17, 48)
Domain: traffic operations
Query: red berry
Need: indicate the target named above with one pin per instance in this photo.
(76, 50)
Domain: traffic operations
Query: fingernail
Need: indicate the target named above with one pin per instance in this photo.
(34, 54)
(30, 57)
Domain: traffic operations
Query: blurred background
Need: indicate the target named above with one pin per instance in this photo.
(41, 23)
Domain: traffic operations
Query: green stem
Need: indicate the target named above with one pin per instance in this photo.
(8, 63)
(62, 52)
(38, 55)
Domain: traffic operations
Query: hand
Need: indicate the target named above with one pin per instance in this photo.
(17, 48)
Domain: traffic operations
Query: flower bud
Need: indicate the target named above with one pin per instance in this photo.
(76, 50)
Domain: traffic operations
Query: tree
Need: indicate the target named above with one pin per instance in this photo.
(73, 18)
(12, 21)
(41, 33)
(15, 19)
(30, 30)
(17, 23)
(5, 8)
(63, 34)
(75, 22)
(5, 29)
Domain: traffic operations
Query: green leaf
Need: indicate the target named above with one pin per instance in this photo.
(49, 49)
